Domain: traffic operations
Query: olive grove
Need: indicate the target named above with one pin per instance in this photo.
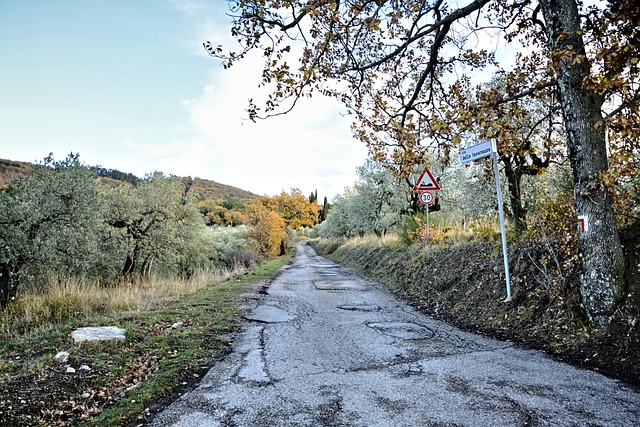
(50, 224)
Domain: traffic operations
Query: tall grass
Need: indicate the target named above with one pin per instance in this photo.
(371, 240)
(81, 300)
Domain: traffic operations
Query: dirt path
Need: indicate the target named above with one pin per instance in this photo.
(324, 347)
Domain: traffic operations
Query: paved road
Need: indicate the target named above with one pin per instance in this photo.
(325, 347)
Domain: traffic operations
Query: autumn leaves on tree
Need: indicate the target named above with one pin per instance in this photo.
(271, 216)
(419, 77)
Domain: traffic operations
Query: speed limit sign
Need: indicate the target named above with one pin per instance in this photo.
(426, 197)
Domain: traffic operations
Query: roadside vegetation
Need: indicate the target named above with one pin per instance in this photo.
(551, 83)
(60, 221)
(176, 329)
(85, 246)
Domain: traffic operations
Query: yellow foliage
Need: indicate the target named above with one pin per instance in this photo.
(295, 209)
(267, 230)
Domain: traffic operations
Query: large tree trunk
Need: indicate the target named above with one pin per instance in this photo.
(600, 252)
(131, 263)
(7, 290)
(514, 183)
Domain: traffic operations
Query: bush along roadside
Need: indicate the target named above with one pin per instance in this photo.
(166, 351)
(464, 285)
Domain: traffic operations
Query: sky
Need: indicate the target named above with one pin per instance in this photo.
(128, 86)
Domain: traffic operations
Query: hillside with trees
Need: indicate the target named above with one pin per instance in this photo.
(204, 189)
(201, 189)
(10, 169)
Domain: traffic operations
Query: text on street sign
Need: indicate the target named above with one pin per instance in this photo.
(476, 152)
(426, 197)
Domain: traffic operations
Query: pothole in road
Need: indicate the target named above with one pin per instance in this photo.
(330, 275)
(406, 331)
(338, 285)
(326, 265)
(269, 314)
(360, 307)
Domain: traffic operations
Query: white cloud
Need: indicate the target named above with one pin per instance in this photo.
(311, 147)
(204, 20)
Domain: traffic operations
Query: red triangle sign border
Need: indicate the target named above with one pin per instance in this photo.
(431, 185)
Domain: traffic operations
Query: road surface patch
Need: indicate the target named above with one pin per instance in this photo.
(406, 331)
(269, 314)
(338, 285)
(360, 307)
(323, 266)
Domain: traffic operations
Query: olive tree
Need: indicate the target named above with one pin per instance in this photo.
(154, 223)
(50, 221)
(374, 205)
(337, 222)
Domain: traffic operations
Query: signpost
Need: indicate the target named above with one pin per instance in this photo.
(426, 197)
(479, 151)
(426, 182)
(476, 152)
(424, 185)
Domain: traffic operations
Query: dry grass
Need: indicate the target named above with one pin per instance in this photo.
(149, 368)
(439, 235)
(78, 300)
(371, 240)
(453, 235)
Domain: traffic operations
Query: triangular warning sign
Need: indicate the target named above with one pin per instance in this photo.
(426, 182)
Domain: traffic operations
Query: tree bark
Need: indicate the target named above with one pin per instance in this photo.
(599, 248)
(514, 181)
(7, 290)
(145, 274)
(131, 263)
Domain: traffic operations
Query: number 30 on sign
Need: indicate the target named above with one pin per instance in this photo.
(426, 197)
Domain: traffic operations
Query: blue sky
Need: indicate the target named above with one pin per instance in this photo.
(128, 85)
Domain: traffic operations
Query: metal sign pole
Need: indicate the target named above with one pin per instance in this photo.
(426, 197)
(494, 154)
(427, 223)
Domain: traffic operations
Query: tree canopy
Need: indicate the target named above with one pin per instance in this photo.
(294, 208)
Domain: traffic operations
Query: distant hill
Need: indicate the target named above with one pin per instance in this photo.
(205, 189)
(114, 177)
(201, 188)
(10, 168)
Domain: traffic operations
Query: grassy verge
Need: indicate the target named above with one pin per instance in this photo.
(172, 339)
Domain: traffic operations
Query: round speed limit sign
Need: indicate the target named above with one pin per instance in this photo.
(426, 197)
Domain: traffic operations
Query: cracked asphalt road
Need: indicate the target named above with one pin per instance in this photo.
(324, 347)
